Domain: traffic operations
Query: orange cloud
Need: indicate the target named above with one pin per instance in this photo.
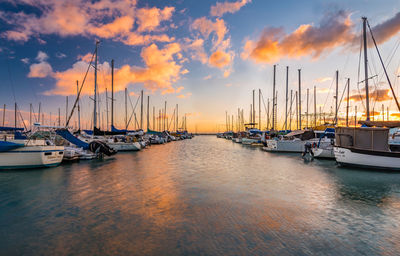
(184, 96)
(221, 8)
(41, 69)
(323, 79)
(103, 18)
(150, 18)
(206, 27)
(274, 44)
(121, 25)
(160, 72)
(197, 46)
(220, 59)
(377, 95)
(336, 30)
(179, 89)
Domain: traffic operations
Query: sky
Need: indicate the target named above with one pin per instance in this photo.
(206, 56)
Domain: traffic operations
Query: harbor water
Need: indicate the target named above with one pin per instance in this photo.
(204, 196)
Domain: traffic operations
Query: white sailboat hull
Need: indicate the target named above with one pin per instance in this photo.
(31, 157)
(122, 146)
(289, 146)
(346, 156)
(324, 152)
(247, 141)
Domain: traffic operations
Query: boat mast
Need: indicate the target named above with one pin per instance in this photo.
(95, 89)
(59, 117)
(4, 114)
(106, 109)
(336, 97)
(165, 116)
(30, 116)
(268, 115)
(154, 118)
(384, 68)
(297, 112)
(308, 93)
(299, 106)
(177, 117)
(287, 90)
(366, 65)
(141, 109)
(66, 110)
(290, 110)
(126, 110)
(148, 112)
(112, 93)
(273, 99)
(348, 99)
(315, 106)
(79, 108)
(254, 111)
(259, 109)
(15, 115)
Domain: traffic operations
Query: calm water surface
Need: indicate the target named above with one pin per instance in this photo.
(204, 196)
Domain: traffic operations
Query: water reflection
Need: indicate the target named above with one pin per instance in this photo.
(200, 196)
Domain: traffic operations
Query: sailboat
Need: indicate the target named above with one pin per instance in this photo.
(367, 147)
(18, 151)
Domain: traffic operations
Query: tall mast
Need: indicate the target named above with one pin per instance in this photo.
(141, 109)
(273, 99)
(259, 109)
(95, 89)
(66, 110)
(308, 92)
(30, 116)
(297, 113)
(315, 106)
(15, 115)
(287, 90)
(112, 93)
(79, 107)
(4, 114)
(253, 113)
(154, 118)
(165, 115)
(366, 65)
(59, 117)
(177, 117)
(40, 109)
(268, 115)
(336, 97)
(148, 111)
(106, 109)
(290, 110)
(299, 118)
(226, 120)
(348, 99)
(126, 110)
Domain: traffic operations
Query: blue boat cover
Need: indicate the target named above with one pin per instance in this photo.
(113, 129)
(4, 129)
(71, 138)
(89, 132)
(7, 146)
(18, 136)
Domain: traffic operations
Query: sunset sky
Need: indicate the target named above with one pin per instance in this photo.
(206, 56)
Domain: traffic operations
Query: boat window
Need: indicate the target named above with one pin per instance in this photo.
(47, 153)
(60, 152)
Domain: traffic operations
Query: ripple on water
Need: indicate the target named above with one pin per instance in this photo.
(201, 196)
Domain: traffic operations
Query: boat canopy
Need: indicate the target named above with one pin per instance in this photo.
(363, 138)
(388, 124)
(71, 138)
(151, 132)
(7, 146)
(8, 129)
(302, 134)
